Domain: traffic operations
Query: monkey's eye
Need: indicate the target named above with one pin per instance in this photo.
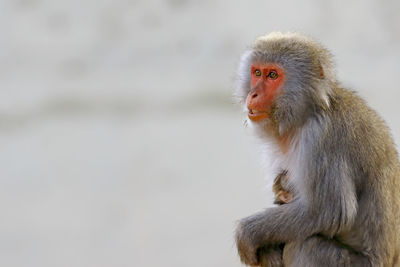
(272, 75)
(257, 73)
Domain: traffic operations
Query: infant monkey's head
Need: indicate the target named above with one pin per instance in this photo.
(281, 189)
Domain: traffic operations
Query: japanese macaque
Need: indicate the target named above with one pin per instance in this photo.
(341, 164)
(281, 189)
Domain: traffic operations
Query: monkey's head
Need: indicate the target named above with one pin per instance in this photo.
(283, 79)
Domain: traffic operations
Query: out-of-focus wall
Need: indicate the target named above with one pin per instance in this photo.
(120, 142)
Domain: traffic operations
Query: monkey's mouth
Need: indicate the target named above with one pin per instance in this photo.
(257, 115)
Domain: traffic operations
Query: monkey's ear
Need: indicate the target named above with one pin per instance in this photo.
(321, 71)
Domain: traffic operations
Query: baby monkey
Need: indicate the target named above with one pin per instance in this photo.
(281, 188)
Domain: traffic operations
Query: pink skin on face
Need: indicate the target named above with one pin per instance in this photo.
(265, 80)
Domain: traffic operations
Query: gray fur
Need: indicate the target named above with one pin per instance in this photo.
(346, 210)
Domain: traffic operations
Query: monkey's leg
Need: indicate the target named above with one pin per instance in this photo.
(271, 256)
(317, 251)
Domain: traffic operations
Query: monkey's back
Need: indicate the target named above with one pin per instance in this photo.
(376, 177)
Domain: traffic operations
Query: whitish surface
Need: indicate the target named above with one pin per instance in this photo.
(120, 145)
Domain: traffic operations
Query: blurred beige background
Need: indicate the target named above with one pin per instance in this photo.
(120, 142)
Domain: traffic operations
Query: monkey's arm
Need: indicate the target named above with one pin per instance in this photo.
(328, 205)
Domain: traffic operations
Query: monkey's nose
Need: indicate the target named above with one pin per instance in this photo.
(253, 95)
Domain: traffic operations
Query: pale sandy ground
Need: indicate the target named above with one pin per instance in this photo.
(120, 143)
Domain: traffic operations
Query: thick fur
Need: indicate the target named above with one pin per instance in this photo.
(341, 161)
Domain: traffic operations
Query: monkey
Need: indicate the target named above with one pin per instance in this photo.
(281, 189)
(338, 153)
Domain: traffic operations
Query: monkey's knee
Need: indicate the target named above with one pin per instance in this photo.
(320, 251)
(292, 254)
(271, 256)
(311, 253)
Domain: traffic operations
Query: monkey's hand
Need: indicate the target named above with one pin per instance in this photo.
(283, 197)
(271, 255)
(247, 242)
(268, 228)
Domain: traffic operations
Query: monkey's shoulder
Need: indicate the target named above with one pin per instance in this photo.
(350, 109)
(353, 128)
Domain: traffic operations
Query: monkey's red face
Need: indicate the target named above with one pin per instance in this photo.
(265, 80)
